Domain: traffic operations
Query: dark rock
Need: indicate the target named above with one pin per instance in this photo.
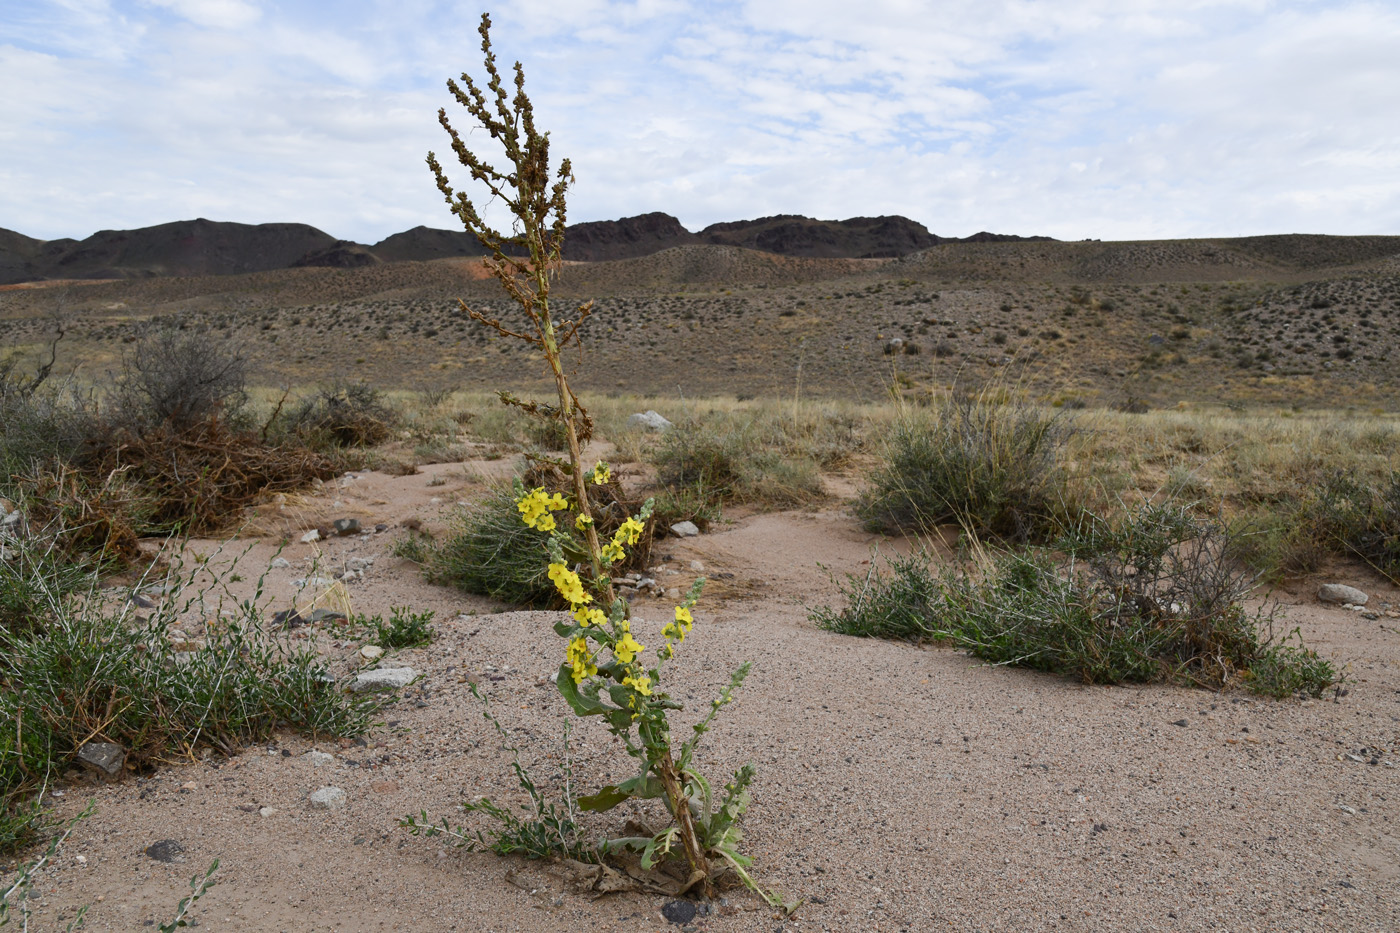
(1183, 723)
(166, 850)
(858, 237)
(347, 526)
(678, 911)
(185, 247)
(104, 758)
(288, 618)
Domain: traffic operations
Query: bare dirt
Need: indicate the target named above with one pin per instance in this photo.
(899, 788)
(1291, 321)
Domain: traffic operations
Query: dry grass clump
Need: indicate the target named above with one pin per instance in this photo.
(983, 462)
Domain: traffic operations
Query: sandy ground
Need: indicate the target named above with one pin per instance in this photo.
(899, 788)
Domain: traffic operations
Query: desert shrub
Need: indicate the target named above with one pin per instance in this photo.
(719, 460)
(990, 467)
(547, 433)
(898, 603)
(491, 552)
(192, 478)
(179, 375)
(342, 415)
(687, 504)
(403, 629)
(1341, 514)
(53, 424)
(1156, 596)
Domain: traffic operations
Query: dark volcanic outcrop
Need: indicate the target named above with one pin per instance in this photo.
(342, 254)
(628, 238)
(857, 238)
(203, 247)
(423, 243)
(185, 247)
(17, 254)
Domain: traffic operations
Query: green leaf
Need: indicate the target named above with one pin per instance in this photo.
(582, 705)
(604, 800)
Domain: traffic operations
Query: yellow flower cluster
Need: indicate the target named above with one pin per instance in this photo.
(585, 616)
(626, 648)
(536, 505)
(638, 682)
(680, 628)
(569, 585)
(627, 534)
(601, 474)
(581, 660)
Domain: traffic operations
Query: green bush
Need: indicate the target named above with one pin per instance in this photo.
(989, 467)
(404, 629)
(491, 552)
(898, 604)
(1153, 597)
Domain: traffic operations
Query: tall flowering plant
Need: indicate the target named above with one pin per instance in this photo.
(604, 670)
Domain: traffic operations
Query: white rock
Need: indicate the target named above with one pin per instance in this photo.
(1341, 593)
(685, 529)
(371, 652)
(327, 798)
(318, 759)
(650, 421)
(280, 563)
(310, 536)
(388, 678)
(267, 811)
(696, 566)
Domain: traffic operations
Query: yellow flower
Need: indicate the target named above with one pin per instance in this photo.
(630, 532)
(580, 660)
(626, 648)
(568, 584)
(535, 507)
(582, 522)
(683, 617)
(612, 553)
(586, 617)
(601, 474)
(638, 682)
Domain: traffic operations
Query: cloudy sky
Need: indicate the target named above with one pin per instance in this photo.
(1116, 119)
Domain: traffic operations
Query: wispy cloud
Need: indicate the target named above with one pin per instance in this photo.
(1104, 118)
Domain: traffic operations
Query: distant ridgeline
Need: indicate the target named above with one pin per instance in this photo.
(206, 247)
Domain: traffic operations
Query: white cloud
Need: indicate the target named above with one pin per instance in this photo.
(1105, 118)
(216, 14)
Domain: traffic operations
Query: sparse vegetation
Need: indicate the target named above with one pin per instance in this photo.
(988, 465)
(1156, 596)
(79, 665)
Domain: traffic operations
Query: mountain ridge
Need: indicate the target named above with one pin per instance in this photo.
(205, 247)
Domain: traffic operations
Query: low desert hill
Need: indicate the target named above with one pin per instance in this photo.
(1287, 320)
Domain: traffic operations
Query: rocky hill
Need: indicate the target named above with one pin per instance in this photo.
(203, 247)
